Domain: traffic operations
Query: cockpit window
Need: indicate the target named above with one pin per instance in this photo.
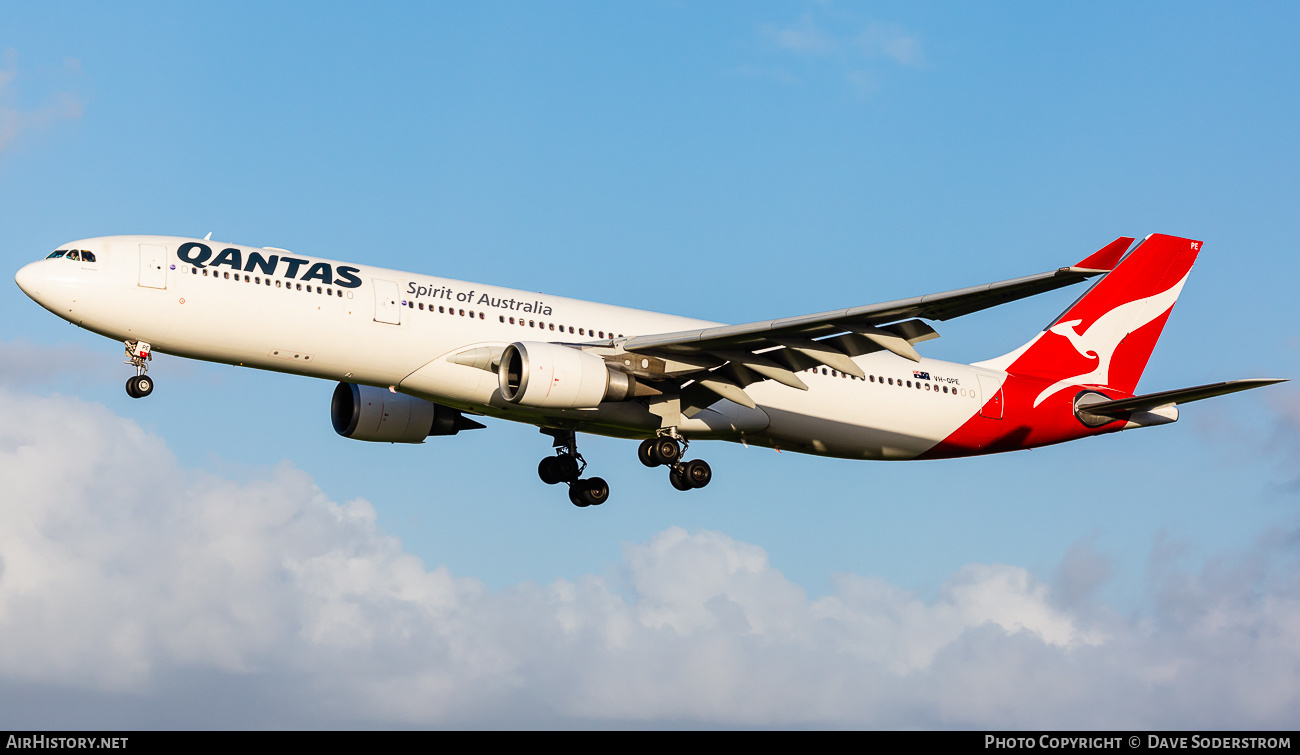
(77, 255)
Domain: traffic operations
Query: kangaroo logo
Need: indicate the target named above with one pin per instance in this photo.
(1099, 341)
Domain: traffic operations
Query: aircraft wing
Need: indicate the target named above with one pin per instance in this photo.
(724, 359)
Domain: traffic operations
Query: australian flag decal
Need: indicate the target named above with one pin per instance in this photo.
(920, 375)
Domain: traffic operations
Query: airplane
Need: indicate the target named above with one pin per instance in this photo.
(417, 355)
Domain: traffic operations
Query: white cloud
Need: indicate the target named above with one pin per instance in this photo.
(891, 41)
(125, 577)
(15, 119)
(24, 362)
(845, 49)
(802, 37)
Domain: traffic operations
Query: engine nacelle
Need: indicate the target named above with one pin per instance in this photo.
(553, 376)
(363, 412)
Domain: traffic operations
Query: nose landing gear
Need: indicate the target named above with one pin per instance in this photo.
(138, 354)
(567, 467)
(667, 451)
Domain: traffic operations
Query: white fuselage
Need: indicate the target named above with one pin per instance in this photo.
(288, 312)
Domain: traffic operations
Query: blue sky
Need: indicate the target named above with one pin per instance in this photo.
(730, 161)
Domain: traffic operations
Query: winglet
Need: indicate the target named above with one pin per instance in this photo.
(1108, 256)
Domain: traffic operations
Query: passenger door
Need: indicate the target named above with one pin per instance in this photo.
(387, 307)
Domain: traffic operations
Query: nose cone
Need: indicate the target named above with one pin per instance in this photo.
(30, 278)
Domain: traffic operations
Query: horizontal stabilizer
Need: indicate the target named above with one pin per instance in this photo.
(1180, 396)
(1108, 256)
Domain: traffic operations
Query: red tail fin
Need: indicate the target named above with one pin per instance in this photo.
(1107, 336)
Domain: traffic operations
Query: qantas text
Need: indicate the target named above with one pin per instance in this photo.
(198, 255)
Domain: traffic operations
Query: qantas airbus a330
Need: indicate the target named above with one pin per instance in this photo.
(415, 353)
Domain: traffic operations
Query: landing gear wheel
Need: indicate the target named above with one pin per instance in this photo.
(665, 451)
(697, 473)
(566, 468)
(645, 452)
(678, 479)
(547, 471)
(594, 491)
(139, 386)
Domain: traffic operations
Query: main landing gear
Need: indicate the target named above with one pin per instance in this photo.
(138, 354)
(667, 451)
(567, 466)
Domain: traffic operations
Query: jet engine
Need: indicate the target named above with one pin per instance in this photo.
(559, 377)
(363, 412)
